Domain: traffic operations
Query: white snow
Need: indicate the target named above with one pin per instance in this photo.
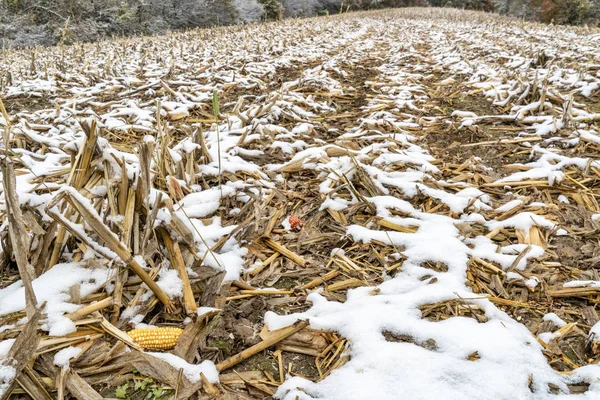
(5, 346)
(509, 206)
(205, 310)
(53, 287)
(563, 199)
(556, 320)
(191, 371)
(63, 357)
(582, 284)
(7, 373)
(595, 332)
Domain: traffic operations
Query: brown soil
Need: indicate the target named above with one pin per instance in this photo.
(26, 104)
(456, 145)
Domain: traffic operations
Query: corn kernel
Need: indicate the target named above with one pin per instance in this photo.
(156, 338)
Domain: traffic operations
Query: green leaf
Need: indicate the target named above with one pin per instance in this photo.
(121, 391)
(157, 392)
(215, 104)
(143, 384)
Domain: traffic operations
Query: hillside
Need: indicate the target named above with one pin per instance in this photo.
(373, 205)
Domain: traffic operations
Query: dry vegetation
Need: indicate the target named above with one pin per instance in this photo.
(152, 181)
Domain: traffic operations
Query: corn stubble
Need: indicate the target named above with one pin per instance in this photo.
(136, 125)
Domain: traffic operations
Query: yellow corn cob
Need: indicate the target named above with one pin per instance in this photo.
(156, 338)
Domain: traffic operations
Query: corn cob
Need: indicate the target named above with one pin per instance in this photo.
(295, 223)
(156, 338)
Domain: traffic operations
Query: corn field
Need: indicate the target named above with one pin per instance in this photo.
(372, 205)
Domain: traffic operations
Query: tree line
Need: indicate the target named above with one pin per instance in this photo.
(91, 19)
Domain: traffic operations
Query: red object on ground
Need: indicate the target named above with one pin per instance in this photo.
(295, 223)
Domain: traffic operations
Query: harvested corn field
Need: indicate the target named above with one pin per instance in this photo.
(387, 205)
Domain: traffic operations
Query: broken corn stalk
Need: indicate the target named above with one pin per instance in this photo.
(156, 338)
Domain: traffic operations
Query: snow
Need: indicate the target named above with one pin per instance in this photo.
(556, 320)
(463, 114)
(523, 221)
(334, 204)
(201, 204)
(5, 346)
(563, 199)
(7, 373)
(595, 332)
(191, 371)
(507, 350)
(532, 282)
(286, 224)
(546, 337)
(64, 356)
(582, 284)
(170, 283)
(205, 310)
(53, 287)
(549, 166)
(230, 258)
(509, 206)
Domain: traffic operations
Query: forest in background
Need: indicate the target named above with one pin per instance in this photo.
(47, 22)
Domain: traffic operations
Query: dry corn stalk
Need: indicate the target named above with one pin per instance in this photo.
(285, 251)
(534, 236)
(277, 337)
(176, 259)
(76, 179)
(113, 243)
(18, 235)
